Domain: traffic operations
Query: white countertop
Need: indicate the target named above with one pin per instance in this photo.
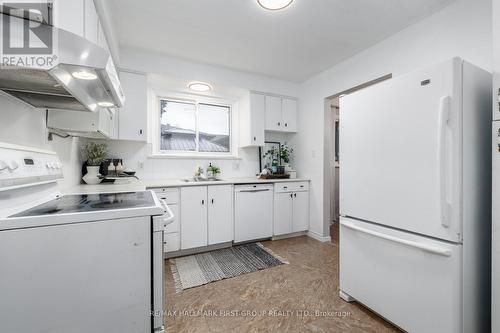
(141, 185)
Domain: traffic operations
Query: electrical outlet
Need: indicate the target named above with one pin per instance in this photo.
(140, 165)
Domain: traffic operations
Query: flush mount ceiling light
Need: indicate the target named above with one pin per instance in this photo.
(84, 75)
(200, 86)
(274, 4)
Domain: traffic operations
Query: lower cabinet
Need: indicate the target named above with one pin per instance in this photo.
(171, 234)
(206, 215)
(291, 212)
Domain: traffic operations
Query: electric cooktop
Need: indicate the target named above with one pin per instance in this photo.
(91, 203)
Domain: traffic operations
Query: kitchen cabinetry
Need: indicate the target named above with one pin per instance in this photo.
(133, 115)
(220, 214)
(206, 215)
(91, 21)
(171, 235)
(69, 15)
(281, 114)
(83, 124)
(252, 120)
(291, 208)
(194, 225)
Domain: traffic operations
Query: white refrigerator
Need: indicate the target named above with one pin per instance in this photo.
(415, 198)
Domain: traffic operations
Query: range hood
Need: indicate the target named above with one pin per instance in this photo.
(81, 75)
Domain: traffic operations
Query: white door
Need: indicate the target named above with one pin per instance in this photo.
(257, 116)
(400, 144)
(300, 221)
(274, 120)
(193, 217)
(133, 115)
(413, 281)
(220, 214)
(290, 115)
(282, 213)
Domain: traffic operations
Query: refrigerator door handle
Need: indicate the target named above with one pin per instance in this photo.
(444, 113)
(424, 247)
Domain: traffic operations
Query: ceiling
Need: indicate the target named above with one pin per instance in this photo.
(294, 44)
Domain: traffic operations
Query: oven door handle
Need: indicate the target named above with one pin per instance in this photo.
(169, 216)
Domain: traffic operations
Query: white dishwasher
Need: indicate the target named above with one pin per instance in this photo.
(253, 212)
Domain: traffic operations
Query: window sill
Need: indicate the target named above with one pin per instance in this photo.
(194, 157)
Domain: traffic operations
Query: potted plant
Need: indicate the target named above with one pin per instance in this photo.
(213, 171)
(286, 154)
(93, 154)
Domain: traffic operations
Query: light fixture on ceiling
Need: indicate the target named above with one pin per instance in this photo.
(105, 104)
(84, 75)
(199, 86)
(274, 4)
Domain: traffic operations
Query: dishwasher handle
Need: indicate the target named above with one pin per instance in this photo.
(252, 191)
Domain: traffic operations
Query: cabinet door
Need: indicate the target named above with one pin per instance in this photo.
(193, 217)
(290, 115)
(274, 120)
(300, 221)
(257, 115)
(133, 115)
(220, 214)
(91, 22)
(282, 213)
(101, 37)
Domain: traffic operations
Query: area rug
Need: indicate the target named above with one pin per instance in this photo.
(199, 269)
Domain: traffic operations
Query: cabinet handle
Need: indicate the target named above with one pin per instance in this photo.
(286, 124)
(202, 202)
(140, 132)
(291, 195)
(254, 138)
(279, 124)
(295, 195)
(212, 201)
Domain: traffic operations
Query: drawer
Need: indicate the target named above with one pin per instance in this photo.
(171, 242)
(174, 226)
(171, 195)
(291, 186)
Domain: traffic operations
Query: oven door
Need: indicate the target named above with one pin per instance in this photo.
(159, 225)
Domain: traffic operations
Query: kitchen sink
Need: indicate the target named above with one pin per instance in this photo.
(201, 180)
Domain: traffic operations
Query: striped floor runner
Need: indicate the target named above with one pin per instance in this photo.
(200, 269)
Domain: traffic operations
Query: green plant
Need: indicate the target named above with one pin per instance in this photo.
(286, 153)
(94, 153)
(215, 169)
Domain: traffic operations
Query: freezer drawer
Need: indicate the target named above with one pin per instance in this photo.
(411, 280)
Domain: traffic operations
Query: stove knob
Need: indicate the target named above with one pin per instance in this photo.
(13, 165)
(3, 165)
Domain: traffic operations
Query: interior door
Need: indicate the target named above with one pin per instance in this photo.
(400, 143)
(300, 221)
(194, 217)
(220, 214)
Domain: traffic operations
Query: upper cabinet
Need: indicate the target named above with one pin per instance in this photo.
(132, 117)
(281, 114)
(252, 120)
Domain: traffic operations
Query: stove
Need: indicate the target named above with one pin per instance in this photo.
(79, 203)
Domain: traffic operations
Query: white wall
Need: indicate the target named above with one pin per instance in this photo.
(23, 125)
(175, 74)
(461, 29)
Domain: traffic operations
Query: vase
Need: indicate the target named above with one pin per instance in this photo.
(92, 176)
(287, 167)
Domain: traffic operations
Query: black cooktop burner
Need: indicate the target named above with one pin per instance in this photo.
(91, 203)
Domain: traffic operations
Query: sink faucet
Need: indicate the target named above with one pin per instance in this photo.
(199, 173)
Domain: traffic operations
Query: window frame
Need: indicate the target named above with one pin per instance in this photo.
(196, 100)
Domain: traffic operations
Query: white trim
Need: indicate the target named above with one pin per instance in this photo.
(196, 100)
(7, 145)
(317, 237)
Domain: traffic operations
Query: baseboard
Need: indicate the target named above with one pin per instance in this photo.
(295, 234)
(318, 237)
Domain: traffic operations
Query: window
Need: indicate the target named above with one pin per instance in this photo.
(194, 127)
